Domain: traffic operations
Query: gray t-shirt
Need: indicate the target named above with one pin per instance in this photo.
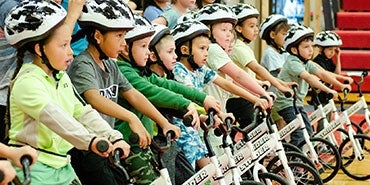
(290, 72)
(86, 74)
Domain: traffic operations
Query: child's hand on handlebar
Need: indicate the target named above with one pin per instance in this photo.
(261, 102)
(172, 127)
(19, 152)
(124, 146)
(101, 152)
(334, 93)
(193, 113)
(211, 103)
(7, 171)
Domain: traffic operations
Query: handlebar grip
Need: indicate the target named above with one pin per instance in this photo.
(187, 121)
(102, 146)
(134, 138)
(329, 96)
(170, 135)
(265, 87)
(118, 152)
(26, 161)
(346, 82)
(211, 113)
(288, 94)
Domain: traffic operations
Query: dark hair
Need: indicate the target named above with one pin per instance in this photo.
(297, 42)
(280, 26)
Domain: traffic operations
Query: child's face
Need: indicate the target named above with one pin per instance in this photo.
(305, 49)
(140, 51)
(112, 43)
(167, 53)
(331, 51)
(223, 34)
(58, 49)
(200, 50)
(186, 3)
(208, 1)
(279, 37)
(249, 28)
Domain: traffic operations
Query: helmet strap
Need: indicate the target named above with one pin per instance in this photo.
(191, 56)
(46, 61)
(300, 57)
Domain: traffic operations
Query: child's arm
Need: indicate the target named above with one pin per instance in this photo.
(142, 104)
(160, 20)
(315, 82)
(328, 78)
(74, 12)
(110, 108)
(7, 171)
(243, 79)
(15, 154)
(265, 75)
(338, 65)
(232, 88)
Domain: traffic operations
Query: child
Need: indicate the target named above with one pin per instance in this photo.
(99, 81)
(298, 68)
(328, 43)
(162, 61)
(164, 94)
(273, 30)
(154, 8)
(247, 30)
(49, 117)
(220, 20)
(171, 15)
(192, 41)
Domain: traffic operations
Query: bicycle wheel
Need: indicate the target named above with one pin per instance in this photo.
(265, 178)
(303, 173)
(350, 164)
(291, 156)
(329, 158)
(250, 182)
(289, 147)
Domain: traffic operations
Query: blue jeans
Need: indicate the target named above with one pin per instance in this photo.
(289, 115)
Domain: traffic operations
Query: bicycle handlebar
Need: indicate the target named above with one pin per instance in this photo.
(26, 161)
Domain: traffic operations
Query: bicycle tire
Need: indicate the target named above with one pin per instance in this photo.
(290, 147)
(275, 179)
(349, 161)
(250, 182)
(329, 158)
(291, 156)
(303, 173)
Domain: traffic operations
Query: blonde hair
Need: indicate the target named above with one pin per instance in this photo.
(163, 41)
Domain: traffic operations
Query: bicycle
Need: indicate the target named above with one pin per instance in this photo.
(314, 146)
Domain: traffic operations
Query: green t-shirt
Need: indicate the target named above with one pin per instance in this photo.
(290, 72)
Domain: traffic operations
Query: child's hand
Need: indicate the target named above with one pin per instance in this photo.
(192, 111)
(19, 152)
(334, 93)
(94, 147)
(346, 87)
(261, 102)
(124, 146)
(225, 115)
(174, 128)
(349, 79)
(8, 172)
(211, 102)
(144, 137)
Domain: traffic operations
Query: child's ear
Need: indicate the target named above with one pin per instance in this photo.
(238, 28)
(37, 49)
(272, 34)
(98, 36)
(184, 50)
(294, 50)
(152, 56)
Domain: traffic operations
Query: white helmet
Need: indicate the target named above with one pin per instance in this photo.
(295, 35)
(269, 23)
(187, 16)
(244, 11)
(327, 38)
(215, 13)
(106, 15)
(188, 30)
(160, 31)
(31, 20)
(143, 28)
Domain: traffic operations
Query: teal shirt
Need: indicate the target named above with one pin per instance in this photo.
(290, 72)
(160, 92)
